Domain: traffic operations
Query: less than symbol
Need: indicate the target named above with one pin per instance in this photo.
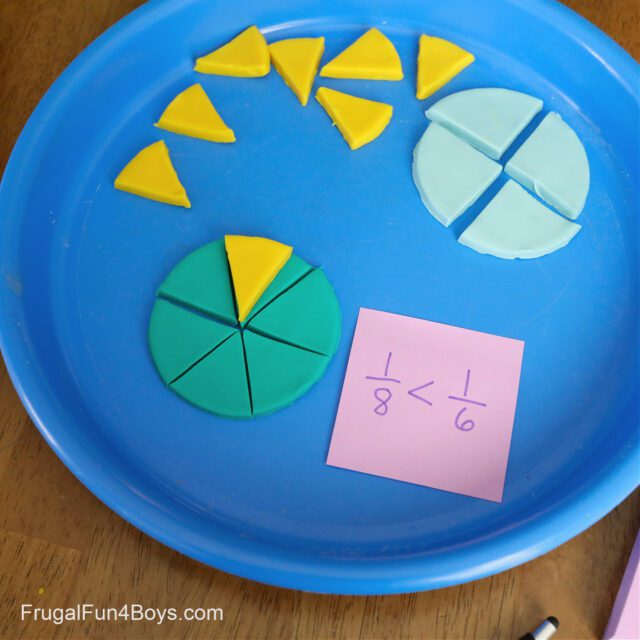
(414, 393)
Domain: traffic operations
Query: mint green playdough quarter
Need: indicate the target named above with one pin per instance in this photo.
(450, 174)
(515, 225)
(552, 163)
(488, 119)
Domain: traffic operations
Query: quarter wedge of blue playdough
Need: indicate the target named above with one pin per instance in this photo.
(450, 174)
(552, 162)
(489, 119)
(515, 225)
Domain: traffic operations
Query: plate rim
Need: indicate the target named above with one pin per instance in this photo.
(270, 563)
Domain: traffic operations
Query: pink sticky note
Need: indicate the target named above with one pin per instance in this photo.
(428, 403)
(624, 623)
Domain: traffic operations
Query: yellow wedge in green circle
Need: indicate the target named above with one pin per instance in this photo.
(254, 263)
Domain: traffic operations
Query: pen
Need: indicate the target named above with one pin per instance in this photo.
(544, 631)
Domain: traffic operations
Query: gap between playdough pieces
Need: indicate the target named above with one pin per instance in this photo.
(438, 62)
(245, 56)
(371, 57)
(150, 174)
(297, 61)
(191, 113)
(515, 225)
(359, 120)
(488, 119)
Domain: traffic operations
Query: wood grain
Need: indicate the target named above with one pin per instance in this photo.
(60, 546)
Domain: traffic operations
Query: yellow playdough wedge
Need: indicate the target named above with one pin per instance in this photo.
(191, 113)
(246, 56)
(254, 263)
(150, 174)
(297, 61)
(371, 57)
(359, 120)
(438, 61)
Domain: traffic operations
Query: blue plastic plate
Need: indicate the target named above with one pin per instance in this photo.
(80, 263)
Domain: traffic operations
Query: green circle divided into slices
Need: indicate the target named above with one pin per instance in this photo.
(250, 368)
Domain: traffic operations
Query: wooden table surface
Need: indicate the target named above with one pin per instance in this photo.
(60, 546)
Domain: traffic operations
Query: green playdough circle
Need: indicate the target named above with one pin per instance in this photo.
(206, 356)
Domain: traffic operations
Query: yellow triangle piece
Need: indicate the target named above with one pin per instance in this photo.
(371, 57)
(191, 113)
(246, 56)
(297, 61)
(438, 61)
(254, 263)
(359, 120)
(150, 174)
